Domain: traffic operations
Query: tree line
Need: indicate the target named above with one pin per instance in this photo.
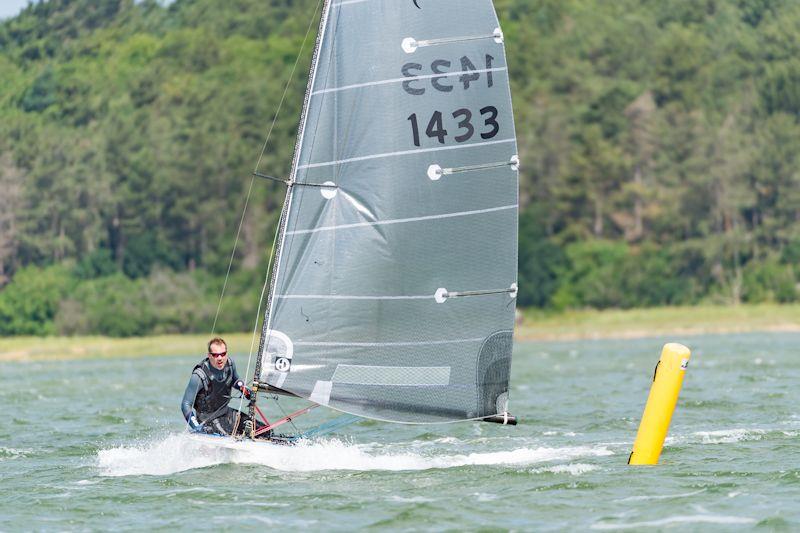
(657, 140)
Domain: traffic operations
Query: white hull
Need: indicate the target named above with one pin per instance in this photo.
(229, 443)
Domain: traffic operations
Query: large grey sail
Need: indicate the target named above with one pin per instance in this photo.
(394, 291)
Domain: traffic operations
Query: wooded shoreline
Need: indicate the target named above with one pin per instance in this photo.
(657, 143)
(535, 326)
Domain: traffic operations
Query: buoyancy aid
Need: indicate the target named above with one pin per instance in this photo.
(213, 396)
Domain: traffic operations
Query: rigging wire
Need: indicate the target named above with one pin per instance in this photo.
(275, 239)
(258, 164)
(233, 252)
(255, 332)
(278, 403)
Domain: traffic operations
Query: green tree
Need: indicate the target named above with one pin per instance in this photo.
(28, 305)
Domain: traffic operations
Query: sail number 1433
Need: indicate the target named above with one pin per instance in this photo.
(466, 130)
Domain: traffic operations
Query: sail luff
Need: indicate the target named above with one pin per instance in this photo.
(287, 203)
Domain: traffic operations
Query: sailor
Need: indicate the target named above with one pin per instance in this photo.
(205, 402)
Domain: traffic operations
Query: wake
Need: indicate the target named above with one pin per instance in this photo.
(179, 452)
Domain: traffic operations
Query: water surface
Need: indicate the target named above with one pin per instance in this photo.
(99, 444)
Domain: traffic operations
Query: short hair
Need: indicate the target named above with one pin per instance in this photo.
(217, 340)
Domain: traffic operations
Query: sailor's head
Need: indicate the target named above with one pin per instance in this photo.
(217, 353)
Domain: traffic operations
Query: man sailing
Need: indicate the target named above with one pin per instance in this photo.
(205, 401)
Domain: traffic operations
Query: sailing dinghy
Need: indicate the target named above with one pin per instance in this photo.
(394, 285)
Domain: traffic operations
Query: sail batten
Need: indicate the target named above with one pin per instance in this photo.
(349, 2)
(404, 220)
(384, 344)
(406, 152)
(403, 80)
(395, 287)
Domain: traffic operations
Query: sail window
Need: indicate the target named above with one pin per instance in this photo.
(398, 376)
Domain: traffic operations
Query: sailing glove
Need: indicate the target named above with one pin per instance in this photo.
(245, 391)
(194, 424)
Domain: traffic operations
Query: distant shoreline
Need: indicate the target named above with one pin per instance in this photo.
(677, 322)
(658, 322)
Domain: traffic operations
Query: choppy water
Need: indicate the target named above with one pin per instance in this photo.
(98, 445)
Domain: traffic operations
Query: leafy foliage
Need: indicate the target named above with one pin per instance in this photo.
(657, 139)
(29, 305)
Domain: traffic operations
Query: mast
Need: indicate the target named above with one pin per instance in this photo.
(265, 328)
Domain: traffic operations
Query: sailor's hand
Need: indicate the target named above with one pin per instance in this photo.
(194, 424)
(245, 391)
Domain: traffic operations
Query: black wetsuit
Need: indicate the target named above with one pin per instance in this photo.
(208, 394)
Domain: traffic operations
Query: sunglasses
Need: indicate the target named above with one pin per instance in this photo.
(221, 354)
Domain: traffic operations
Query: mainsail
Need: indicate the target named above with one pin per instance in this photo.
(394, 290)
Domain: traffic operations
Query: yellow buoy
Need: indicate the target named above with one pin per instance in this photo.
(661, 403)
